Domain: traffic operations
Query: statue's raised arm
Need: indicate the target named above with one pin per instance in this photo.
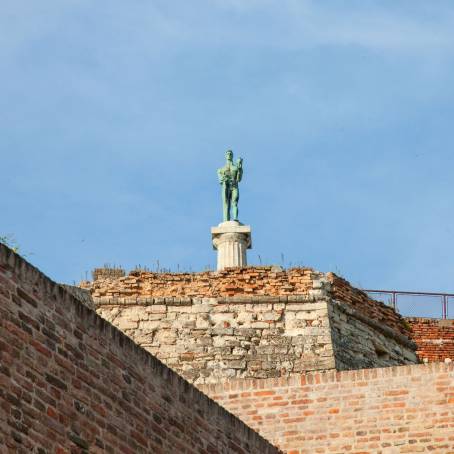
(239, 174)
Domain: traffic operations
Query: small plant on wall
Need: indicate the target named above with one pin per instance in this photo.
(9, 241)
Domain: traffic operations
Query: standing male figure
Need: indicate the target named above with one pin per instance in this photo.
(229, 177)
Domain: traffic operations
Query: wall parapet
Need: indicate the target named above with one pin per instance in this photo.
(252, 280)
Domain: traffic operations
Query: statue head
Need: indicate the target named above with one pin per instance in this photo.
(229, 155)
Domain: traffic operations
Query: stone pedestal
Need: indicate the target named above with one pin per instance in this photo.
(231, 239)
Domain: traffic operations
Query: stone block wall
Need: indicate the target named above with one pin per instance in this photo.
(406, 409)
(71, 383)
(208, 340)
(253, 322)
(434, 338)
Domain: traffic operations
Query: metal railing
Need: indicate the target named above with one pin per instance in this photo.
(415, 304)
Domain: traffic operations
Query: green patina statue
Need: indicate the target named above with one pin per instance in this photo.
(229, 177)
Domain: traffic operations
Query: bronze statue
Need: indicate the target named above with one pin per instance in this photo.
(229, 177)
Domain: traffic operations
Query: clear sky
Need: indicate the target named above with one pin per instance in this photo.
(114, 117)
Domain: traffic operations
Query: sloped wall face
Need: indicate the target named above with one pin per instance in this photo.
(72, 383)
(344, 293)
(406, 409)
(434, 338)
(210, 340)
(360, 342)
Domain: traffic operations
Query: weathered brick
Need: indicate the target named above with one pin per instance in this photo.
(434, 338)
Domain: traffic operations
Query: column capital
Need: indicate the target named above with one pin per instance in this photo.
(231, 231)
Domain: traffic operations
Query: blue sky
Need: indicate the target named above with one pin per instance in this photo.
(115, 115)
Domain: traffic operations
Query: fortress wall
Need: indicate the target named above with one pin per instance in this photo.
(255, 322)
(434, 338)
(406, 409)
(208, 340)
(72, 383)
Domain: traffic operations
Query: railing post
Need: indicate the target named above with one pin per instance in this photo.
(445, 307)
(394, 300)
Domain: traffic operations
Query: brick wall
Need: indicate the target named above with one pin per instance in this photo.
(434, 338)
(406, 409)
(266, 281)
(71, 383)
